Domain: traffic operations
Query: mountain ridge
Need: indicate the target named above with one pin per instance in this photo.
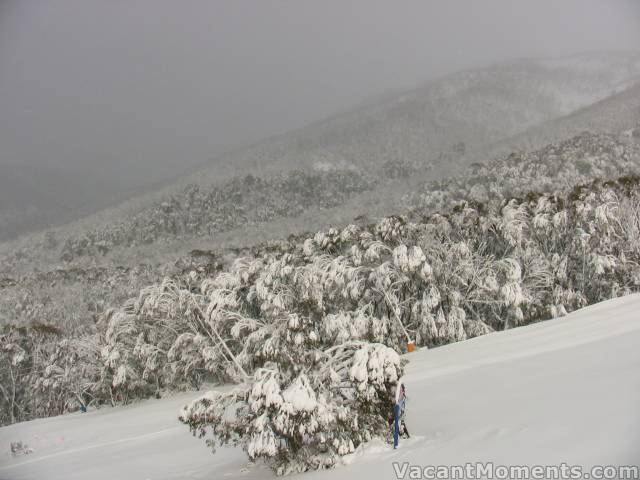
(420, 124)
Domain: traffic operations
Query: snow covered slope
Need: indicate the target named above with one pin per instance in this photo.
(565, 390)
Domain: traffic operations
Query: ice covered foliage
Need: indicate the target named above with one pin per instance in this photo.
(303, 416)
(432, 279)
(408, 259)
(435, 280)
(199, 210)
(559, 166)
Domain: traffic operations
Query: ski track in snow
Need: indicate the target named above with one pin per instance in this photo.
(564, 390)
(89, 447)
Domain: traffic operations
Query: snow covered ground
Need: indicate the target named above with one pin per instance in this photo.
(566, 390)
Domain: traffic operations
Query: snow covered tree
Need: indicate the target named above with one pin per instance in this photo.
(306, 416)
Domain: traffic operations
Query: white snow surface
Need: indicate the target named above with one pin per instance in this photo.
(565, 390)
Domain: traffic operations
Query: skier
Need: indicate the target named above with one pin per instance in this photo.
(399, 427)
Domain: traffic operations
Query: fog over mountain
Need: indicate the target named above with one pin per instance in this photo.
(101, 97)
(290, 211)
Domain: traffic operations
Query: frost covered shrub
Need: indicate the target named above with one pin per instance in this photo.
(307, 416)
(203, 210)
(442, 279)
(21, 351)
(432, 279)
(559, 166)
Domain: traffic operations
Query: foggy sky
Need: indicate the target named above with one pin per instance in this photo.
(139, 90)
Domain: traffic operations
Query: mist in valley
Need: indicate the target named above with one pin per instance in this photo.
(100, 101)
(279, 214)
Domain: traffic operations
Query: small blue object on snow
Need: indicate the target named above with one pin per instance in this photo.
(396, 427)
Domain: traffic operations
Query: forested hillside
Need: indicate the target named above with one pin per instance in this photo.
(75, 294)
(297, 234)
(309, 266)
(525, 252)
(544, 391)
(450, 121)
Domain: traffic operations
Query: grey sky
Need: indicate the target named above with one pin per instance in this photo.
(138, 90)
